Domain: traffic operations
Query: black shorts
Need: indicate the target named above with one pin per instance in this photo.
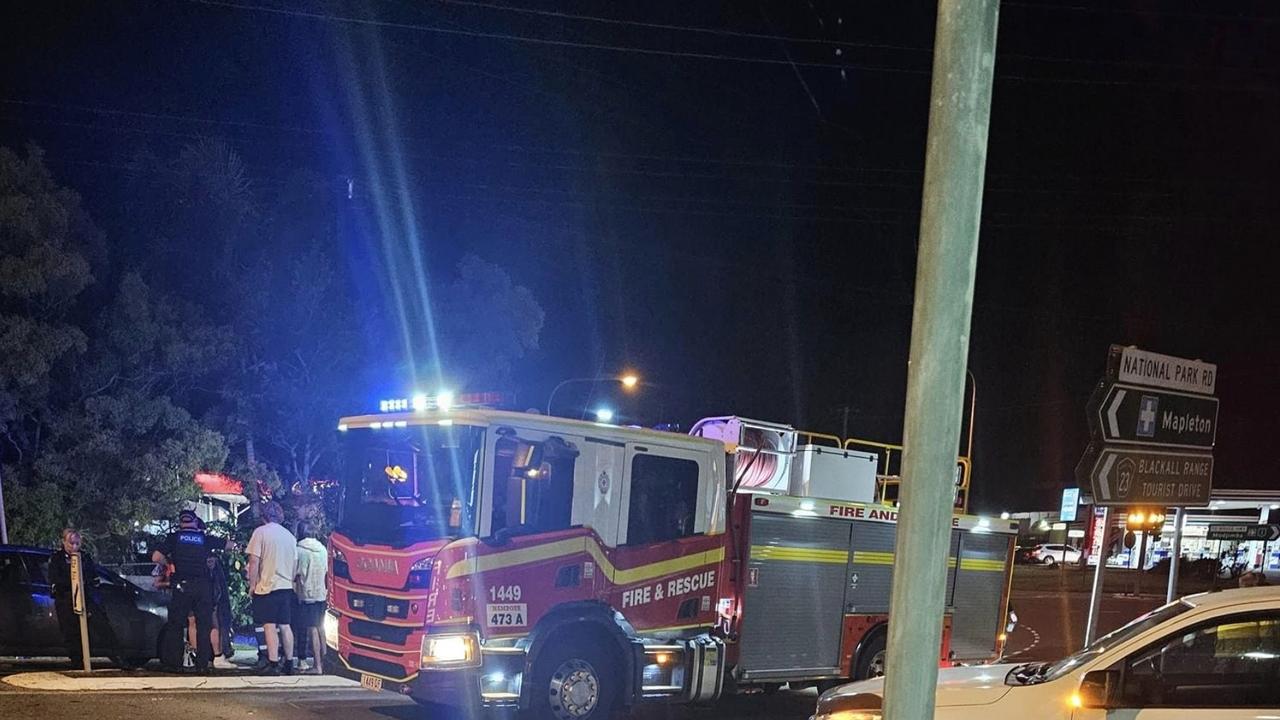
(275, 607)
(309, 614)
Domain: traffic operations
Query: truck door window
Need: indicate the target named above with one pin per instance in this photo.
(533, 485)
(664, 497)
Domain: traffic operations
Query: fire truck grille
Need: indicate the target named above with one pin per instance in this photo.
(377, 631)
(377, 607)
(378, 667)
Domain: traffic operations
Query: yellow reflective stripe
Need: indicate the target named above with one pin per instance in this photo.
(983, 565)
(797, 554)
(522, 556)
(627, 576)
(578, 545)
(870, 557)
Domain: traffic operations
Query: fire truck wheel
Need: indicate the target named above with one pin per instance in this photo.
(871, 659)
(575, 680)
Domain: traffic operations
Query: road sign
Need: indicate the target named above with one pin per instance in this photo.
(1126, 476)
(1139, 367)
(1128, 414)
(1070, 501)
(1235, 531)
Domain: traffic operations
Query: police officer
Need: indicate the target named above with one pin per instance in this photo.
(188, 551)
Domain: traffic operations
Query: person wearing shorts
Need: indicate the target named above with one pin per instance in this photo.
(272, 561)
(309, 582)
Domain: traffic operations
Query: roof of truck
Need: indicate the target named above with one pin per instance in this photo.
(485, 418)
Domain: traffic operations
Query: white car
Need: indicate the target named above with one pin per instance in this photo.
(1053, 554)
(1214, 655)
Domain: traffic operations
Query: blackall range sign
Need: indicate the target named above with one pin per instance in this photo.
(1153, 423)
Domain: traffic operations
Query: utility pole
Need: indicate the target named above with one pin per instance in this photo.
(955, 162)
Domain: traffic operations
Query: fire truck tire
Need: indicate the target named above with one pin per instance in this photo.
(573, 680)
(871, 658)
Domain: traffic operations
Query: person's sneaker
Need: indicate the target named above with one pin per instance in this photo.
(286, 666)
(221, 663)
(272, 668)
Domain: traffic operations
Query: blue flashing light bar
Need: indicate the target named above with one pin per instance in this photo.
(443, 401)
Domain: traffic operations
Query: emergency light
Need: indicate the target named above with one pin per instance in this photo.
(444, 401)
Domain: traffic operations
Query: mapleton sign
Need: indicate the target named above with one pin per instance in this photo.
(1153, 422)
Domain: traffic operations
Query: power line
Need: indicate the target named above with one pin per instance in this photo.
(346, 19)
(683, 28)
(533, 151)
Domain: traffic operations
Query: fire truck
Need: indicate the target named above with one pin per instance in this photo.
(490, 559)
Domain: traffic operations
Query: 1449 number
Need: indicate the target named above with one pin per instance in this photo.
(504, 593)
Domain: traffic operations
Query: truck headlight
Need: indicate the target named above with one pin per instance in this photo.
(454, 650)
(331, 630)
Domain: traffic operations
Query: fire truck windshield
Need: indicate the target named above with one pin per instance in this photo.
(409, 484)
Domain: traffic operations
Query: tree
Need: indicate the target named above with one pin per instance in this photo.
(96, 433)
(486, 322)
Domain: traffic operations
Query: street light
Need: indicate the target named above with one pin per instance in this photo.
(628, 381)
(604, 415)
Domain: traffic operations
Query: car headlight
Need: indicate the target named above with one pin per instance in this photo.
(860, 706)
(331, 630)
(455, 650)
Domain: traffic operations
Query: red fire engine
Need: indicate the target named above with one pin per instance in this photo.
(488, 559)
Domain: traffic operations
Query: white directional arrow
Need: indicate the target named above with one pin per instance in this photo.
(1100, 475)
(1112, 423)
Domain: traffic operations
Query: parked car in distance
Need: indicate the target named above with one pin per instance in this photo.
(1054, 554)
(1025, 554)
(1209, 656)
(124, 625)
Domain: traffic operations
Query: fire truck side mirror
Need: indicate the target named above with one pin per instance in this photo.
(500, 538)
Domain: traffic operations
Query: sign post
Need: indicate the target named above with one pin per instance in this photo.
(79, 605)
(1153, 421)
(1175, 557)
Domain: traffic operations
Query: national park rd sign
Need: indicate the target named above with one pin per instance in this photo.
(1153, 422)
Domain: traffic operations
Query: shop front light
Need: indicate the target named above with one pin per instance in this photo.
(455, 650)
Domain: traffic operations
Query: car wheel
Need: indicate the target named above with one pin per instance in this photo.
(1049, 561)
(574, 680)
(871, 659)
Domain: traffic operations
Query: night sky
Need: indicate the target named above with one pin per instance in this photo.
(733, 211)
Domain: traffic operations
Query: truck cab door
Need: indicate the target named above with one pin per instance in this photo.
(666, 569)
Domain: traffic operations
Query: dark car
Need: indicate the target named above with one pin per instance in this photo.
(125, 621)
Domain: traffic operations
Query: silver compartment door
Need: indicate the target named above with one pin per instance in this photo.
(979, 586)
(797, 573)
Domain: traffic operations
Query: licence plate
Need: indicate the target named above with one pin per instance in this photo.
(371, 682)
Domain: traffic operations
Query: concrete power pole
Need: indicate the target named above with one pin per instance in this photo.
(955, 161)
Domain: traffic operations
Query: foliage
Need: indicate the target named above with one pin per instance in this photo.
(97, 435)
(233, 566)
(221, 328)
(483, 295)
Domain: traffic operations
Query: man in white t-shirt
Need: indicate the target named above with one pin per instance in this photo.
(272, 560)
